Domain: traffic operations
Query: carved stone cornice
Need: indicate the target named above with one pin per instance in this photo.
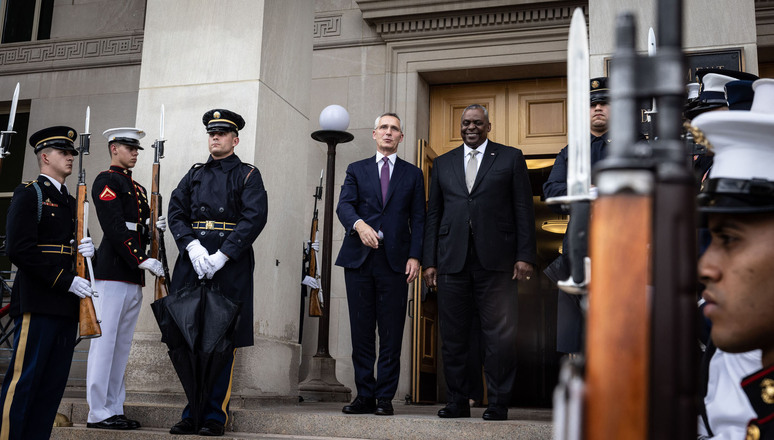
(69, 54)
(428, 18)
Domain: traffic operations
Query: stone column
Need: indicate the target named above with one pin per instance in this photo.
(253, 57)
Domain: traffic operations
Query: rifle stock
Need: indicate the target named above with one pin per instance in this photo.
(315, 308)
(618, 332)
(88, 325)
(157, 248)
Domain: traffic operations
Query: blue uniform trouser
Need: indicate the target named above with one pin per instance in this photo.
(216, 404)
(37, 375)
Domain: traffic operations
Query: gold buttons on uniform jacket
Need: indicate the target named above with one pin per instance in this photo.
(767, 391)
(753, 432)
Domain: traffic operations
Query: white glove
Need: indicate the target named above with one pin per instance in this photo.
(314, 245)
(197, 253)
(161, 223)
(217, 261)
(86, 248)
(311, 282)
(81, 287)
(154, 266)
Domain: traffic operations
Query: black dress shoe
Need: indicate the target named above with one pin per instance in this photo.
(361, 405)
(183, 427)
(212, 428)
(384, 407)
(133, 424)
(496, 412)
(113, 422)
(454, 410)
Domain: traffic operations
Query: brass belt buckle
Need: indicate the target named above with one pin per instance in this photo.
(209, 225)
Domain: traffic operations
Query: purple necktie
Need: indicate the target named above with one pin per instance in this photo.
(385, 178)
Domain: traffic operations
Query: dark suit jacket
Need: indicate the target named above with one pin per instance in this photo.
(498, 211)
(401, 220)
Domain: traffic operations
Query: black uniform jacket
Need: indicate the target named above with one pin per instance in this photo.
(43, 277)
(225, 190)
(497, 214)
(120, 200)
(759, 388)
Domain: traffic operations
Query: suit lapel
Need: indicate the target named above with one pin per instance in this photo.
(492, 150)
(372, 171)
(459, 166)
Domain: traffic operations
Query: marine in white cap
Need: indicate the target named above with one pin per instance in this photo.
(738, 200)
(123, 212)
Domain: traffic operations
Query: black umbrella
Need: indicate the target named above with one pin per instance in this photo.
(197, 324)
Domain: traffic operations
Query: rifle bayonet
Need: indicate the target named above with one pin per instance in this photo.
(5, 136)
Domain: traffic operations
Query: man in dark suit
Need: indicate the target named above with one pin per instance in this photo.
(46, 290)
(479, 239)
(382, 208)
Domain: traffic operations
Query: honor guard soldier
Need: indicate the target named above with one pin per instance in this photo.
(44, 299)
(215, 214)
(123, 212)
(738, 201)
(570, 318)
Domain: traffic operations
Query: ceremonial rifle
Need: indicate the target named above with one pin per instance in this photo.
(5, 136)
(157, 247)
(640, 341)
(641, 358)
(315, 296)
(88, 324)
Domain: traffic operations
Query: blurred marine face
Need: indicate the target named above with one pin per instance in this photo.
(738, 272)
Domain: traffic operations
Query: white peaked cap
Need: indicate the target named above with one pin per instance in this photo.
(715, 82)
(743, 141)
(693, 90)
(127, 135)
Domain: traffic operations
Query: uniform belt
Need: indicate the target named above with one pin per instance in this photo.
(131, 226)
(56, 249)
(212, 225)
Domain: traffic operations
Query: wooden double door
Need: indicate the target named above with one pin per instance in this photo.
(529, 115)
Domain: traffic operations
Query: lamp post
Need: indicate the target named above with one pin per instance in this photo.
(321, 383)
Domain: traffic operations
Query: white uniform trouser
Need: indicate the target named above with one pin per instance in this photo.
(118, 307)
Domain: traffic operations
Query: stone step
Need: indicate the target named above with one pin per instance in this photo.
(320, 420)
(80, 432)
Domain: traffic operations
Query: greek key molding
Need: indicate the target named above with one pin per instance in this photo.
(391, 29)
(66, 54)
(327, 26)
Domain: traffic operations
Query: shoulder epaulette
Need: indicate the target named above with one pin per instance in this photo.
(196, 166)
(26, 184)
(252, 168)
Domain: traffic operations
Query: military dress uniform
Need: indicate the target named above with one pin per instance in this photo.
(40, 227)
(122, 208)
(759, 388)
(223, 204)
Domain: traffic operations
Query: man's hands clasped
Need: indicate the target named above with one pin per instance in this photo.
(204, 264)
